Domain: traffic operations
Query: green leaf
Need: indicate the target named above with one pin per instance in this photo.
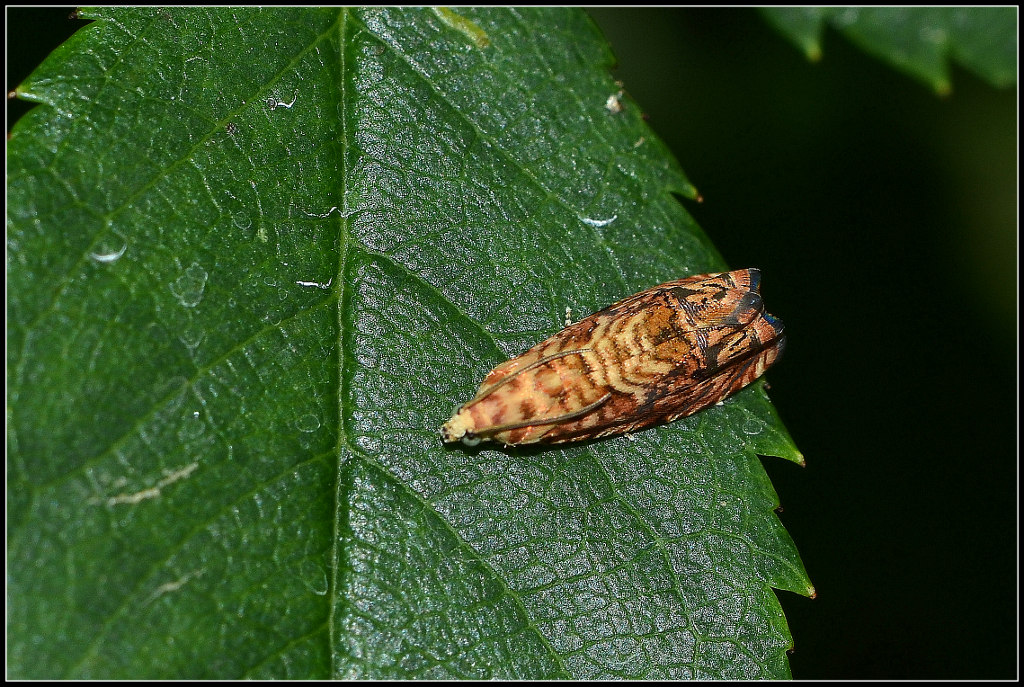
(256, 258)
(917, 40)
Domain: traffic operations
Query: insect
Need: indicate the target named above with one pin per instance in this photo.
(651, 358)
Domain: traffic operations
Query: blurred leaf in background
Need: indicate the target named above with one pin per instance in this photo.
(918, 40)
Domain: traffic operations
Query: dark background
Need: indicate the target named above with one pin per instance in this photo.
(884, 220)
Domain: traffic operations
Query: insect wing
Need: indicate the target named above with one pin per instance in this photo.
(650, 358)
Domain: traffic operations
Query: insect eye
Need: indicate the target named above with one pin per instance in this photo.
(751, 301)
(470, 439)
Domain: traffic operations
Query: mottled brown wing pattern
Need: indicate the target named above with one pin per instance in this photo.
(651, 358)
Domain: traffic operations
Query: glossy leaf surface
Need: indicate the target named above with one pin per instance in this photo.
(256, 258)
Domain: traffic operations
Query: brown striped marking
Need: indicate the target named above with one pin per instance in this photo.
(654, 357)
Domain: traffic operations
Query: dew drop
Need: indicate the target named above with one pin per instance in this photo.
(192, 427)
(308, 423)
(753, 427)
(189, 287)
(190, 337)
(109, 255)
(314, 577)
(242, 220)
